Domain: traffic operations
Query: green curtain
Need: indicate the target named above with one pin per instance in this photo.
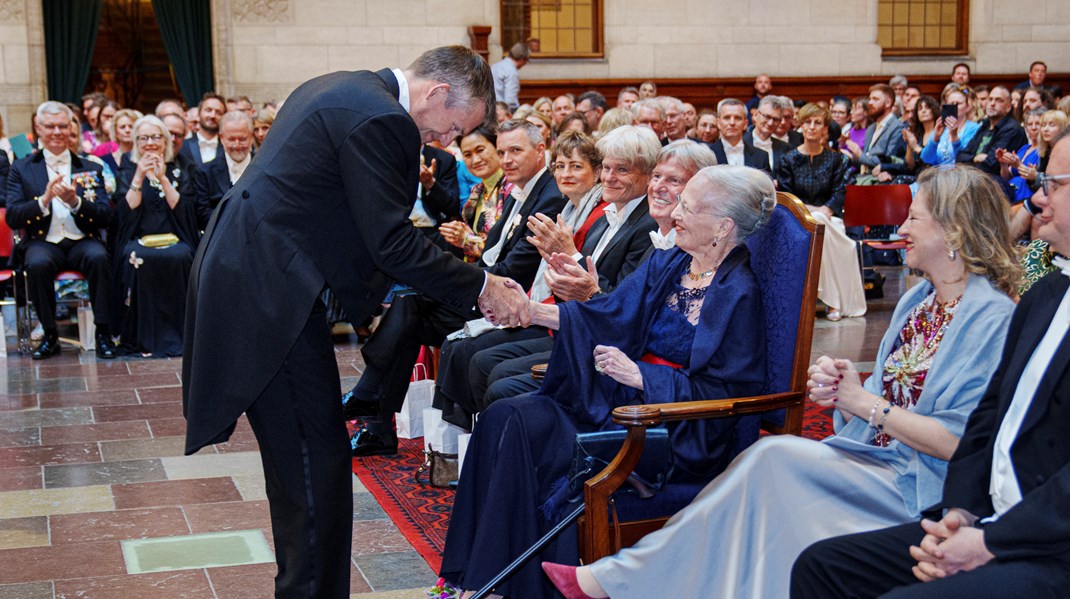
(186, 26)
(70, 36)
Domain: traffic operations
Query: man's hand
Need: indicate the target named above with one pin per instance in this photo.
(550, 237)
(980, 157)
(503, 302)
(950, 546)
(854, 149)
(884, 177)
(427, 174)
(570, 281)
(63, 192)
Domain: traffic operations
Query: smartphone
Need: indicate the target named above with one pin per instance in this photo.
(949, 110)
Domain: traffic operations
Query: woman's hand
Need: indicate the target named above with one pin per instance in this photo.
(146, 165)
(953, 125)
(938, 129)
(550, 237)
(455, 232)
(910, 138)
(823, 385)
(612, 362)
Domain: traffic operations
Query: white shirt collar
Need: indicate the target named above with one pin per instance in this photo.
(63, 157)
(521, 194)
(616, 217)
(202, 140)
(403, 87)
(1062, 263)
(237, 168)
(663, 242)
(730, 149)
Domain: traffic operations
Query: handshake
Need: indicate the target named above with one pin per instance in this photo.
(503, 302)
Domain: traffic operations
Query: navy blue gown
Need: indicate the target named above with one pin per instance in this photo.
(519, 455)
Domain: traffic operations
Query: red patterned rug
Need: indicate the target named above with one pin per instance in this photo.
(422, 513)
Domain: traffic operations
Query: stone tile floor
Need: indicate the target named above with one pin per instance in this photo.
(91, 456)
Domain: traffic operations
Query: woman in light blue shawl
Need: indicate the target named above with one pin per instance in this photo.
(894, 434)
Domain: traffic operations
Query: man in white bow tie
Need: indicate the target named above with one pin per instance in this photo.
(1001, 529)
(58, 199)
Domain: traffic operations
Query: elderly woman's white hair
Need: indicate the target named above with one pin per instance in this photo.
(748, 196)
(168, 145)
(638, 146)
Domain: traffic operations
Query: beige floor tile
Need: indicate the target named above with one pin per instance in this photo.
(43, 502)
(251, 486)
(403, 594)
(215, 464)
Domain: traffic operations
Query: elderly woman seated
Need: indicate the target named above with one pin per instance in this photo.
(894, 435)
(687, 325)
(156, 235)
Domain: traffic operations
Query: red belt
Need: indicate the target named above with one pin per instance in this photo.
(650, 358)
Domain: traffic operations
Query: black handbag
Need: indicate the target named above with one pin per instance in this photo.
(594, 451)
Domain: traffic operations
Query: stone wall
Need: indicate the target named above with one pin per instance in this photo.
(264, 48)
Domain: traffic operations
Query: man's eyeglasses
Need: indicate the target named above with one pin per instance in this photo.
(1048, 183)
(770, 118)
(153, 138)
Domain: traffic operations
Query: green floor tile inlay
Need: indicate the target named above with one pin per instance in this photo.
(209, 550)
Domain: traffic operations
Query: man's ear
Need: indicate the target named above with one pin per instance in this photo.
(438, 88)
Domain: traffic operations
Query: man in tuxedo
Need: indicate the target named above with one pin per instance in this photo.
(417, 319)
(675, 122)
(787, 131)
(767, 119)
(58, 199)
(731, 148)
(882, 155)
(998, 131)
(324, 206)
(214, 179)
(203, 146)
(438, 198)
(1001, 529)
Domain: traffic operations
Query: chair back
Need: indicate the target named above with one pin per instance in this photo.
(7, 238)
(872, 205)
(785, 255)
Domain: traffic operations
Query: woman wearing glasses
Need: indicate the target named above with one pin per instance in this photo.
(156, 234)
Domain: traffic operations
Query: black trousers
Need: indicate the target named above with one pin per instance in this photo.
(878, 564)
(305, 450)
(45, 260)
(505, 370)
(412, 321)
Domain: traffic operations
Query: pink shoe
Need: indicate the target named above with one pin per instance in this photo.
(564, 578)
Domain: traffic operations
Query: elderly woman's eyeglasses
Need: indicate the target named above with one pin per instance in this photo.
(1048, 183)
(155, 138)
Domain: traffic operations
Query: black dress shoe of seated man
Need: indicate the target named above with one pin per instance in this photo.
(366, 443)
(48, 348)
(354, 407)
(105, 347)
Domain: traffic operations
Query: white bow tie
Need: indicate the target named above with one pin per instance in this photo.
(1062, 263)
(662, 242)
(58, 160)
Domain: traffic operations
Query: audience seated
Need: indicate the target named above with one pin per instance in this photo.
(563, 106)
(1000, 528)
(730, 148)
(787, 130)
(486, 199)
(706, 128)
(214, 178)
(649, 113)
(437, 196)
(998, 131)
(101, 140)
(203, 146)
(156, 235)
(881, 157)
(675, 123)
(894, 434)
(952, 133)
(58, 199)
(648, 90)
(763, 86)
(818, 176)
(414, 320)
(1019, 169)
(627, 97)
(592, 105)
(920, 130)
(576, 121)
(853, 137)
(767, 120)
(122, 131)
(694, 312)
(612, 119)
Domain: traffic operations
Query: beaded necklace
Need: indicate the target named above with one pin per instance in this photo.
(907, 365)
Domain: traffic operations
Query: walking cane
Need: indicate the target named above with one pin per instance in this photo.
(532, 551)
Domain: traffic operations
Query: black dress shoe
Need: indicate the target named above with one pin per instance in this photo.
(354, 408)
(48, 348)
(105, 347)
(367, 443)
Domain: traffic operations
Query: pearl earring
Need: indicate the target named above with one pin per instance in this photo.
(951, 254)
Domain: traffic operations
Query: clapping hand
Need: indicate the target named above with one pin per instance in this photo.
(503, 302)
(550, 237)
(570, 281)
(59, 189)
(427, 173)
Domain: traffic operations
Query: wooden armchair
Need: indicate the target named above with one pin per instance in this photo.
(785, 257)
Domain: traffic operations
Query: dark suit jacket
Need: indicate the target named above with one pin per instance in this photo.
(1038, 526)
(752, 156)
(5, 167)
(779, 149)
(1008, 135)
(795, 139)
(191, 151)
(443, 201)
(326, 204)
(519, 260)
(27, 181)
(211, 182)
(626, 250)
